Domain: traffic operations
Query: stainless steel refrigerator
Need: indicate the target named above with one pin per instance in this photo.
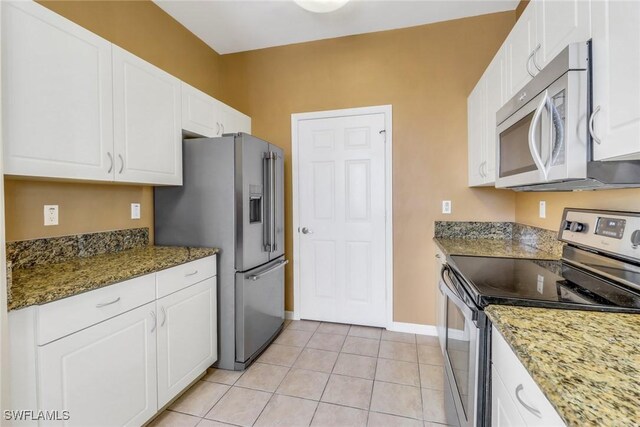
(232, 198)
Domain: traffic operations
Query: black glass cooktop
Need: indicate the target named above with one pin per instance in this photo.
(540, 283)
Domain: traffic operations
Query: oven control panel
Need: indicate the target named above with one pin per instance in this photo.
(617, 233)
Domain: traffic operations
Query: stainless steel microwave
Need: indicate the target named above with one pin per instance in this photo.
(542, 132)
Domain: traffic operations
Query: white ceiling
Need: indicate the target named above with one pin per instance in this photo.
(230, 26)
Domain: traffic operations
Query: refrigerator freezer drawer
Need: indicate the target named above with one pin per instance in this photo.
(259, 307)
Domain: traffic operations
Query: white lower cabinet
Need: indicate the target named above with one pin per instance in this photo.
(104, 375)
(504, 412)
(120, 366)
(187, 337)
(516, 400)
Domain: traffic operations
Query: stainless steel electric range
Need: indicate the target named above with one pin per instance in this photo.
(599, 270)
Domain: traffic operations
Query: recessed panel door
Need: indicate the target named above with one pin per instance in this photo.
(342, 219)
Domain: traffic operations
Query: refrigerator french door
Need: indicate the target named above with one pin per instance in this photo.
(232, 198)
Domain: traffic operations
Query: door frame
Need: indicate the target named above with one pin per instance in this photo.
(296, 118)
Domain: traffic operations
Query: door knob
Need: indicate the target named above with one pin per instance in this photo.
(306, 230)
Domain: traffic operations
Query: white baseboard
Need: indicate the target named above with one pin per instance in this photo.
(413, 328)
(288, 315)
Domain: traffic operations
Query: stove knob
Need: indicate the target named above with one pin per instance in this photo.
(635, 238)
(577, 227)
(567, 225)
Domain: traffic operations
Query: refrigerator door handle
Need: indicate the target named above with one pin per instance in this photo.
(266, 224)
(273, 201)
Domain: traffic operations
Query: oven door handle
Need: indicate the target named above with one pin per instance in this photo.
(449, 291)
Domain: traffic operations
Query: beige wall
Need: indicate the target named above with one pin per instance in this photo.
(426, 73)
(83, 208)
(527, 204)
(145, 30)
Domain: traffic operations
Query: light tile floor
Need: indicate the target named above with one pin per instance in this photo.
(323, 374)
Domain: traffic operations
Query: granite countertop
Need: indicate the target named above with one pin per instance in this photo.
(41, 284)
(492, 248)
(587, 363)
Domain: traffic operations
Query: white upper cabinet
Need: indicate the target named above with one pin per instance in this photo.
(483, 104)
(519, 48)
(495, 97)
(56, 95)
(476, 132)
(233, 121)
(147, 122)
(205, 116)
(615, 122)
(559, 23)
(199, 112)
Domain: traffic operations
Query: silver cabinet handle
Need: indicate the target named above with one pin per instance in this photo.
(121, 163)
(480, 169)
(306, 230)
(104, 304)
(110, 162)
(533, 57)
(254, 277)
(222, 125)
(531, 409)
(164, 316)
(193, 273)
(218, 128)
(592, 132)
(529, 62)
(155, 321)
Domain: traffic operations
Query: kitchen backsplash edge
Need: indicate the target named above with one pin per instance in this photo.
(29, 253)
(539, 238)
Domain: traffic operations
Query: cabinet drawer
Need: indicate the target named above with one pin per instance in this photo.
(173, 279)
(72, 314)
(521, 388)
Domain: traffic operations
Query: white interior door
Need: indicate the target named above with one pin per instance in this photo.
(341, 199)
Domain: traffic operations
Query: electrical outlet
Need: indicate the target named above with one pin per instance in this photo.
(50, 214)
(446, 206)
(543, 209)
(540, 285)
(135, 210)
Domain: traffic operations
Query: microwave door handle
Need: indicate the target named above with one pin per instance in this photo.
(557, 143)
(532, 135)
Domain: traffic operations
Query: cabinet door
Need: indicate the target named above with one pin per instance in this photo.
(105, 374)
(187, 337)
(476, 133)
(233, 121)
(147, 122)
(494, 99)
(616, 85)
(519, 45)
(199, 112)
(504, 412)
(560, 23)
(56, 95)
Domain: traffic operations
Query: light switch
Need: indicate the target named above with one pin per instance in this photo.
(135, 210)
(543, 209)
(50, 214)
(446, 206)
